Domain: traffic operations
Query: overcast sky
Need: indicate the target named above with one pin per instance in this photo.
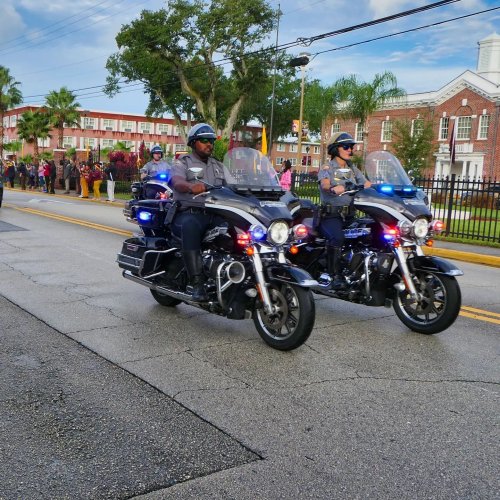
(50, 44)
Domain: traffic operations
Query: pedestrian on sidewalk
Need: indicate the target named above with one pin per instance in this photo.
(53, 175)
(41, 177)
(85, 179)
(67, 169)
(110, 172)
(96, 176)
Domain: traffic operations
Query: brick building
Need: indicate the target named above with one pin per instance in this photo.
(469, 105)
(101, 129)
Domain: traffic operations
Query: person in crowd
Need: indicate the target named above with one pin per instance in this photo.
(338, 209)
(191, 221)
(286, 176)
(96, 176)
(75, 174)
(46, 176)
(111, 172)
(67, 169)
(23, 174)
(41, 177)
(153, 168)
(32, 176)
(52, 175)
(10, 172)
(85, 179)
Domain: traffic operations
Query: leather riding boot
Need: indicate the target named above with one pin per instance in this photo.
(334, 267)
(194, 267)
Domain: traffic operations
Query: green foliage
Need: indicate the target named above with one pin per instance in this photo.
(26, 159)
(62, 108)
(10, 96)
(46, 155)
(174, 53)
(33, 125)
(120, 146)
(13, 147)
(413, 145)
(220, 148)
(71, 153)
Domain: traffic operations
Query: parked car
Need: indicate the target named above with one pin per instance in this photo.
(465, 197)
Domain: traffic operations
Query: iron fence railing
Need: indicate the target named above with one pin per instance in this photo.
(470, 208)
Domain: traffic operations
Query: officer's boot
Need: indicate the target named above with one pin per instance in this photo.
(334, 267)
(194, 266)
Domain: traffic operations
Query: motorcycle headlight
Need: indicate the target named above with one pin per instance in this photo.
(420, 228)
(277, 234)
(404, 227)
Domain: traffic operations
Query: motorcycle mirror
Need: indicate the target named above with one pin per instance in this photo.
(196, 171)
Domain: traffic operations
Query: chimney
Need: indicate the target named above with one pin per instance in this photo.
(488, 63)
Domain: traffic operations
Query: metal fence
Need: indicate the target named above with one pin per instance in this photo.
(470, 208)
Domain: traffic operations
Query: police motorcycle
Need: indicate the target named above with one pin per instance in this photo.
(245, 270)
(382, 259)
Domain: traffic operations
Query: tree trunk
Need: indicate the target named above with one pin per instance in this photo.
(233, 115)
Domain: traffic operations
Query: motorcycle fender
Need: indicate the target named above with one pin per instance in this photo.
(288, 273)
(436, 265)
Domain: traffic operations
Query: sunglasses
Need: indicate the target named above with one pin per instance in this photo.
(346, 147)
(204, 140)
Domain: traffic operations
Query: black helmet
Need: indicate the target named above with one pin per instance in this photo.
(337, 140)
(156, 149)
(200, 131)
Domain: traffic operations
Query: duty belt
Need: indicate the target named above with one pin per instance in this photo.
(337, 211)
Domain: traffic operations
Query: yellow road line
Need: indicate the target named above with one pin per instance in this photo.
(91, 225)
(480, 318)
(480, 311)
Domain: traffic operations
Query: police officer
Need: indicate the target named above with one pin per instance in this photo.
(338, 176)
(191, 220)
(152, 168)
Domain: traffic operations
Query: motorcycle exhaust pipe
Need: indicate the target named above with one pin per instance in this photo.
(235, 272)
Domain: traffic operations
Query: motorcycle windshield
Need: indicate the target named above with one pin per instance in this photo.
(383, 167)
(250, 169)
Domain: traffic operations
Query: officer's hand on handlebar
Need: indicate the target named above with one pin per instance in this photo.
(197, 188)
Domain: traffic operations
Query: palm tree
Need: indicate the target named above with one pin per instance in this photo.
(363, 98)
(10, 96)
(33, 125)
(62, 109)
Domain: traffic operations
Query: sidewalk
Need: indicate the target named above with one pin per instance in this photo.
(488, 256)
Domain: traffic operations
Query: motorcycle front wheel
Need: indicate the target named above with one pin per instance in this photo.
(438, 308)
(290, 323)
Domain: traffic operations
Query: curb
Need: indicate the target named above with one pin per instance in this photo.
(474, 258)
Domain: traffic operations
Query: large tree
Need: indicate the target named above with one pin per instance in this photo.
(34, 125)
(10, 96)
(62, 109)
(412, 144)
(358, 100)
(202, 50)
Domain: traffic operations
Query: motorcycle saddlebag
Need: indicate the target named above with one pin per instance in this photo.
(133, 250)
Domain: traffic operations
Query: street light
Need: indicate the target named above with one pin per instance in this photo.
(302, 61)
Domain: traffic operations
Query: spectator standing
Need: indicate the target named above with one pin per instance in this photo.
(23, 174)
(41, 177)
(32, 176)
(46, 176)
(53, 175)
(111, 172)
(84, 180)
(10, 173)
(96, 176)
(286, 176)
(67, 169)
(75, 174)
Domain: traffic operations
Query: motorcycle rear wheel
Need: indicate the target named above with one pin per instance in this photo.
(164, 300)
(292, 320)
(439, 308)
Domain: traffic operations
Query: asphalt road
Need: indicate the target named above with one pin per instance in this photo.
(366, 409)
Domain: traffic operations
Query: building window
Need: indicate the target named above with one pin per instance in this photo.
(148, 145)
(68, 141)
(305, 149)
(484, 125)
(316, 150)
(175, 131)
(315, 162)
(108, 124)
(127, 126)
(444, 125)
(417, 127)
(88, 123)
(360, 130)
(89, 143)
(163, 128)
(145, 127)
(108, 143)
(43, 143)
(280, 147)
(180, 147)
(335, 128)
(293, 161)
(279, 160)
(293, 148)
(386, 131)
(464, 126)
(13, 120)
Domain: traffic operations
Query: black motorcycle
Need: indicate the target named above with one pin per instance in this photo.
(151, 187)
(382, 259)
(245, 270)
